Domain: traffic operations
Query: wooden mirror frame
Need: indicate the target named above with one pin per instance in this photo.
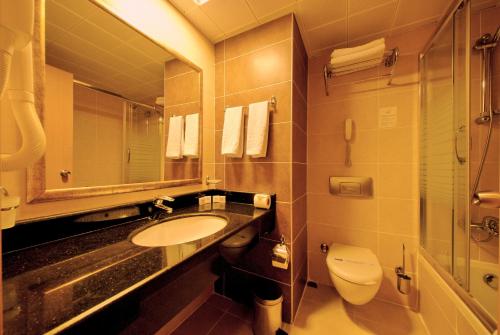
(36, 183)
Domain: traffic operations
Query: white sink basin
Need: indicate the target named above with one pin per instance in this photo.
(181, 230)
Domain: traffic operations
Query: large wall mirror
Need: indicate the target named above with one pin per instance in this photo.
(108, 98)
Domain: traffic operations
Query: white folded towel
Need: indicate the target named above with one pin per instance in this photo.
(258, 129)
(175, 137)
(356, 67)
(191, 135)
(376, 53)
(232, 133)
(359, 48)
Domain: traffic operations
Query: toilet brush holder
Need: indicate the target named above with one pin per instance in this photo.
(404, 281)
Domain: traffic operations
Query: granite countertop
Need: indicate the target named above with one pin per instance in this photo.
(51, 286)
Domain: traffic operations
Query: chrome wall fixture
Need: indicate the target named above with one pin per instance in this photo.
(389, 61)
(486, 44)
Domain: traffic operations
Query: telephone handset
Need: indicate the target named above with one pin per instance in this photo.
(348, 125)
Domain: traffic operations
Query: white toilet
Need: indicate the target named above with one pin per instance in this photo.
(355, 272)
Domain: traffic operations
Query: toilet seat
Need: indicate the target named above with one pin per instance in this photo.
(354, 264)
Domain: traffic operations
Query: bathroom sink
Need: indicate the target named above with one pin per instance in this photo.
(179, 230)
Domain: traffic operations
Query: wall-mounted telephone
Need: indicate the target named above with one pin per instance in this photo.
(348, 128)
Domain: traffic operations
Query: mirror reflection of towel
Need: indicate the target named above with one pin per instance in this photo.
(175, 137)
(191, 135)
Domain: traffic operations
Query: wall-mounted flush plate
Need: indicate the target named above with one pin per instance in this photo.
(361, 187)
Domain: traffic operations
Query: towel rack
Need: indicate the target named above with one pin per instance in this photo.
(272, 104)
(390, 59)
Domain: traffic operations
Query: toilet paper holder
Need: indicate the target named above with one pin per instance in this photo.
(280, 256)
(403, 280)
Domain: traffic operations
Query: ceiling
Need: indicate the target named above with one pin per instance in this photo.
(100, 50)
(324, 24)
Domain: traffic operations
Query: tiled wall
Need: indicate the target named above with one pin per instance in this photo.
(98, 138)
(58, 125)
(254, 66)
(388, 155)
(484, 21)
(182, 97)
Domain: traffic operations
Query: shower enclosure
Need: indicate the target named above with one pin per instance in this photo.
(459, 158)
(143, 139)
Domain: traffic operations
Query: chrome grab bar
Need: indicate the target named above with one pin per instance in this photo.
(486, 199)
(460, 159)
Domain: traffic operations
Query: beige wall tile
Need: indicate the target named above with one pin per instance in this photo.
(299, 146)
(219, 112)
(299, 113)
(396, 145)
(318, 271)
(299, 253)
(331, 148)
(270, 65)
(390, 251)
(260, 177)
(322, 233)
(329, 118)
(219, 79)
(182, 88)
(299, 215)
(299, 186)
(283, 222)
(219, 51)
(298, 288)
(176, 67)
(342, 212)
(398, 216)
(257, 38)
(397, 181)
(432, 315)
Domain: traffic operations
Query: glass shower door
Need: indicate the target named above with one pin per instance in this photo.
(444, 150)
(142, 157)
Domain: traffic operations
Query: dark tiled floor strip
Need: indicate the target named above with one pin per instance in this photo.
(218, 316)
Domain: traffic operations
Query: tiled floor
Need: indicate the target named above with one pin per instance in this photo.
(322, 311)
(218, 316)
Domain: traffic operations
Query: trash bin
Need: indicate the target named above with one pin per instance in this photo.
(268, 299)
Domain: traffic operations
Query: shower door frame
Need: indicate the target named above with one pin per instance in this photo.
(463, 293)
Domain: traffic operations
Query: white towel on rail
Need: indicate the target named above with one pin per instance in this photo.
(356, 67)
(363, 58)
(359, 48)
(191, 135)
(258, 129)
(232, 133)
(175, 137)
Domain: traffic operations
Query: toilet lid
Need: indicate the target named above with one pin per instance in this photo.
(354, 264)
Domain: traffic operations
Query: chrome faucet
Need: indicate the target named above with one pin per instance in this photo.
(158, 203)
